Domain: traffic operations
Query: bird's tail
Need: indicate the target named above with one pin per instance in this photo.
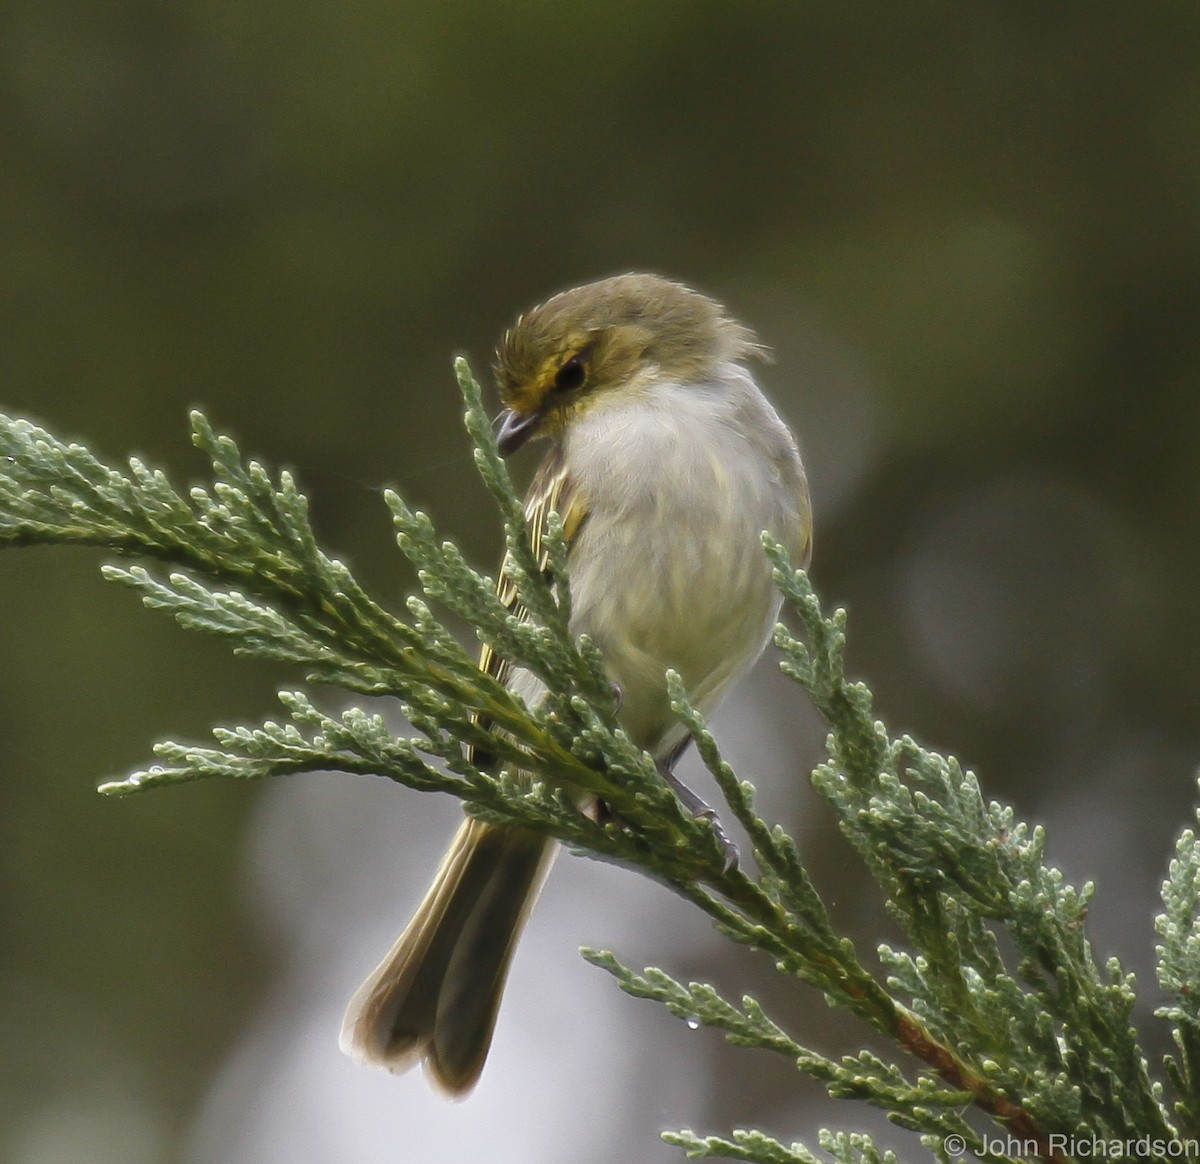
(435, 996)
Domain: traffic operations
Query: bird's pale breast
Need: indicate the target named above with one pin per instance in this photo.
(668, 570)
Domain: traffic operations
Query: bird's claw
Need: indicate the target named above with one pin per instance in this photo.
(729, 850)
(702, 811)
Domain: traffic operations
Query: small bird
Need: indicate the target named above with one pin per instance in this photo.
(666, 464)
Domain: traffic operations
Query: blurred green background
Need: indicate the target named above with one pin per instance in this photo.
(969, 231)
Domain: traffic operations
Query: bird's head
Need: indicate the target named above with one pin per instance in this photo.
(614, 336)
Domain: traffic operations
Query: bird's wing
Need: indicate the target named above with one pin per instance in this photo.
(552, 488)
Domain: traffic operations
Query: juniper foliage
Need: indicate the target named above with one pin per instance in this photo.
(1045, 1047)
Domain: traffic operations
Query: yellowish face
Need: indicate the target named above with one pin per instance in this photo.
(545, 379)
(602, 337)
(557, 374)
(552, 367)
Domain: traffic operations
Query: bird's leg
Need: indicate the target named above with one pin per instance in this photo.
(696, 806)
(602, 813)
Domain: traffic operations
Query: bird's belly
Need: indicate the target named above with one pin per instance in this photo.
(672, 593)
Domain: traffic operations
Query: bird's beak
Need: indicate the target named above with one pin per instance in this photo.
(515, 430)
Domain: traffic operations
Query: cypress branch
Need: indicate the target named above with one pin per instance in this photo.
(1045, 1046)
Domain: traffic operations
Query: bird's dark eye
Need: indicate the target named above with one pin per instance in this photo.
(570, 376)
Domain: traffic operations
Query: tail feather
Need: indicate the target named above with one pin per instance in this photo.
(436, 994)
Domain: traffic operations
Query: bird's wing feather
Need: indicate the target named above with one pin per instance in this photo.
(552, 488)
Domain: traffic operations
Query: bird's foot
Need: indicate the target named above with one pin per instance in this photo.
(702, 811)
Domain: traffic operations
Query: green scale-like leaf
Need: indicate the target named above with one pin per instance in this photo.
(996, 999)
